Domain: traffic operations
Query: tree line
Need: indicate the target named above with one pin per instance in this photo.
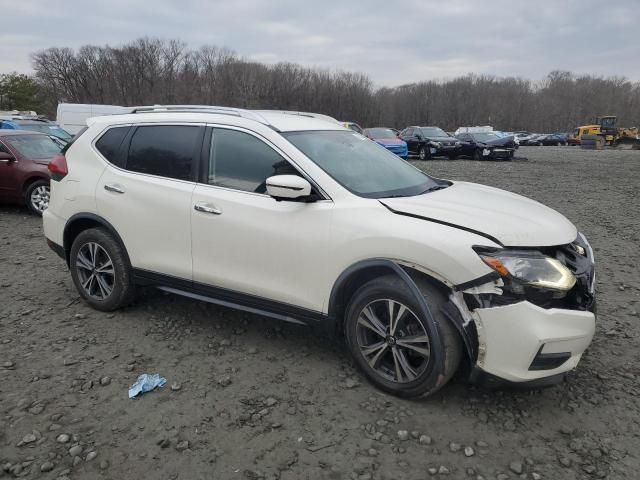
(148, 71)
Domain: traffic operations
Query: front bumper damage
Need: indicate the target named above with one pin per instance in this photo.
(523, 342)
(531, 340)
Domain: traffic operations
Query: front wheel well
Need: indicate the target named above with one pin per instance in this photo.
(359, 274)
(356, 276)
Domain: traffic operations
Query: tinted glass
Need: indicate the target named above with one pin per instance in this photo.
(433, 132)
(163, 150)
(360, 165)
(34, 147)
(243, 162)
(109, 143)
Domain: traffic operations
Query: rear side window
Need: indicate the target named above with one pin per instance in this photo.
(109, 144)
(163, 150)
(243, 162)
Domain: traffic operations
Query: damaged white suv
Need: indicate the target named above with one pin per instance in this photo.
(292, 216)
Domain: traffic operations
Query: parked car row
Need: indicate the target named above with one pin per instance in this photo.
(540, 139)
(426, 143)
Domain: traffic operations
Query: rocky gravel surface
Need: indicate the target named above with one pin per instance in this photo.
(250, 398)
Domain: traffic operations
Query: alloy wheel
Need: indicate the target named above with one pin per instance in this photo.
(95, 271)
(40, 198)
(393, 341)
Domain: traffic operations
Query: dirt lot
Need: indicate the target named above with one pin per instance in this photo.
(248, 397)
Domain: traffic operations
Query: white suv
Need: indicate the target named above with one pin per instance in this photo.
(293, 216)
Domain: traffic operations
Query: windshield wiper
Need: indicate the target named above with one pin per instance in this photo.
(434, 188)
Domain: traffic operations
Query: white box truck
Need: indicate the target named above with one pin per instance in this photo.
(73, 116)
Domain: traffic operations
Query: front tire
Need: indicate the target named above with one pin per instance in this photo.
(424, 153)
(100, 270)
(394, 345)
(477, 154)
(36, 196)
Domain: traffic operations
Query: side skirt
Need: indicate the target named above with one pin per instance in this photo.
(230, 298)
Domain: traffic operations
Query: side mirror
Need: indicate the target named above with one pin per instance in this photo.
(7, 157)
(288, 187)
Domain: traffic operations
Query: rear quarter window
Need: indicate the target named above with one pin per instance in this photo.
(109, 144)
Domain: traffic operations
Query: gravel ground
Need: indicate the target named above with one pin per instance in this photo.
(248, 397)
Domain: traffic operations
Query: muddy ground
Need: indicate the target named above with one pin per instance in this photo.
(248, 397)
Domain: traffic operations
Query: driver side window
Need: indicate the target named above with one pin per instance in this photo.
(243, 162)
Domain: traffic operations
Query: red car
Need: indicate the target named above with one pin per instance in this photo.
(24, 178)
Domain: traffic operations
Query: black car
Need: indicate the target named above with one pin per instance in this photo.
(429, 142)
(551, 139)
(487, 145)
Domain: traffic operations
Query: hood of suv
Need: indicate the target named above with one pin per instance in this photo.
(511, 219)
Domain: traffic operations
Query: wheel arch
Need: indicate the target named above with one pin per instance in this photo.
(83, 221)
(31, 179)
(361, 272)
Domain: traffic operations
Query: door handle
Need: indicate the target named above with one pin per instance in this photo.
(113, 188)
(206, 208)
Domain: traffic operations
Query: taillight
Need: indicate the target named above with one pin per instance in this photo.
(58, 167)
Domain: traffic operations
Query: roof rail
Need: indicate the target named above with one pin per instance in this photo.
(236, 112)
(319, 116)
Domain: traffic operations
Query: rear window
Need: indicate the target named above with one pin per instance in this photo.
(34, 147)
(109, 144)
(164, 150)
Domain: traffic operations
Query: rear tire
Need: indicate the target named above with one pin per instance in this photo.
(380, 350)
(36, 196)
(100, 270)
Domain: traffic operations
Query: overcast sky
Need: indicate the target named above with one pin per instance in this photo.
(393, 42)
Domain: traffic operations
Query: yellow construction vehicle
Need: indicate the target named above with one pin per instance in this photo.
(604, 132)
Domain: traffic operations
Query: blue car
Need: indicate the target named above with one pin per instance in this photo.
(37, 125)
(388, 138)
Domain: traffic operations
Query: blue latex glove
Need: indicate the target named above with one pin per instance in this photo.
(145, 383)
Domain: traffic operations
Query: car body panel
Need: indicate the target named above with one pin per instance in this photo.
(294, 241)
(510, 336)
(512, 219)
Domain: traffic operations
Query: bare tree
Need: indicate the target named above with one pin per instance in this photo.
(148, 71)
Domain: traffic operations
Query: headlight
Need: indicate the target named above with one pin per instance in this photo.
(458, 144)
(530, 268)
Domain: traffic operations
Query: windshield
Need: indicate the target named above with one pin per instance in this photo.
(360, 165)
(381, 133)
(484, 137)
(47, 128)
(34, 147)
(433, 132)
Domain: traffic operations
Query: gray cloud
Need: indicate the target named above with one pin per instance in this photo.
(392, 42)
